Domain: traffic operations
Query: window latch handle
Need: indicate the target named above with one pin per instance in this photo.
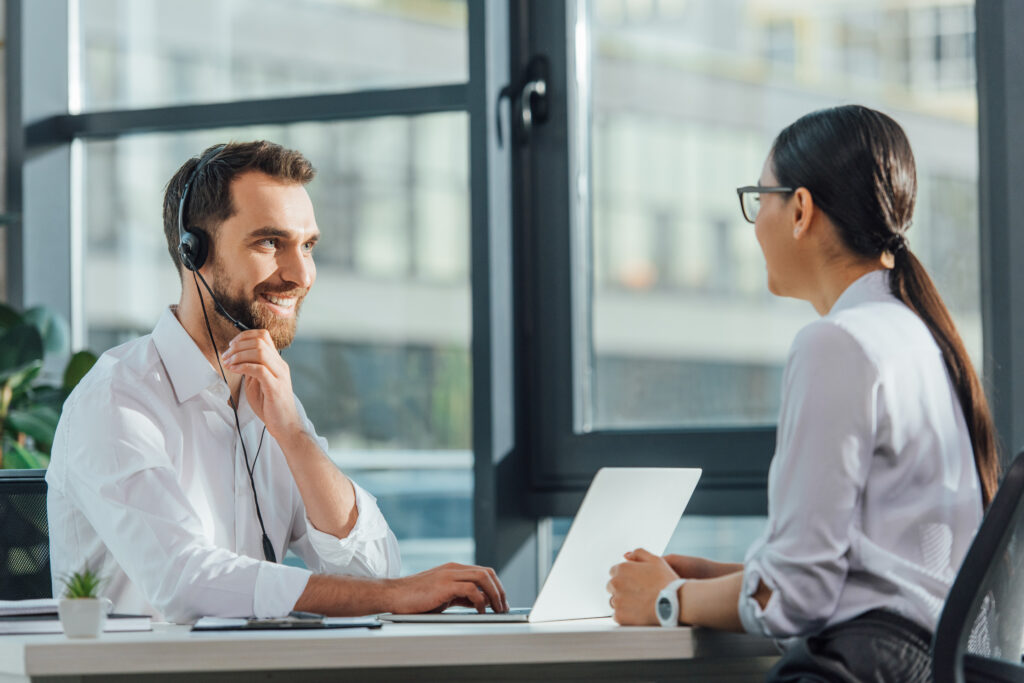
(530, 91)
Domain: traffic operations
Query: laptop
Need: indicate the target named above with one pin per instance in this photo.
(625, 508)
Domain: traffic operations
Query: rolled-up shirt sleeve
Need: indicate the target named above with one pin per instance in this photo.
(369, 550)
(117, 472)
(830, 408)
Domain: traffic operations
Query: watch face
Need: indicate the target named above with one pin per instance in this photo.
(664, 608)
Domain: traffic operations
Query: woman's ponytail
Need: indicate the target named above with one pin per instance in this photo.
(911, 284)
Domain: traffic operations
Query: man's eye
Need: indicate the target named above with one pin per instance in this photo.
(308, 246)
(269, 242)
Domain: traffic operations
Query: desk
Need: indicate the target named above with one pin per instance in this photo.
(592, 649)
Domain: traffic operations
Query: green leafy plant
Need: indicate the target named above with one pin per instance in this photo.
(83, 584)
(30, 406)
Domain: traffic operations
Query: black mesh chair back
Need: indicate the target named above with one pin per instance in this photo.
(24, 536)
(981, 629)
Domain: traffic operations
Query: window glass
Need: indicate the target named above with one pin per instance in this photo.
(146, 53)
(686, 98)
(381, 361)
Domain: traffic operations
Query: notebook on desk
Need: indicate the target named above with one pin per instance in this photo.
(625, 508)
(25, 624)
(290, 623)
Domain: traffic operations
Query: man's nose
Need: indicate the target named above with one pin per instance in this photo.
(298, 268)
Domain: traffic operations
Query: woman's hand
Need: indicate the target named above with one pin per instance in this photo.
(635, 585)
(690, 567)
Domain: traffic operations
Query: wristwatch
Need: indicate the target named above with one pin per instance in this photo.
(667, 604)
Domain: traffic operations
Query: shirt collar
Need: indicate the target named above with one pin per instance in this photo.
(187, 367)
(873, 286)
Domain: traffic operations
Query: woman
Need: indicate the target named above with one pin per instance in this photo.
(885, 454)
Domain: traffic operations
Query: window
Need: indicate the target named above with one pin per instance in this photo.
(146, 53)
(683, 331)
(658, 343)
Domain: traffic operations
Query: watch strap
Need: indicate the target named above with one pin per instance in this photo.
(670, 595)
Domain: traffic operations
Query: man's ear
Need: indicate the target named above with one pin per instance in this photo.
(803, 212)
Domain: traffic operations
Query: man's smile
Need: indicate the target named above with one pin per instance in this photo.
(283, 304)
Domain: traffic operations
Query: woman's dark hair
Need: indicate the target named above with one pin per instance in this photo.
(857, 164)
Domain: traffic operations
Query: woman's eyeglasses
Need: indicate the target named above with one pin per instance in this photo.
(750, 198)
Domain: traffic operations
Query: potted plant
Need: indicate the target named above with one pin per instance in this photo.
(29, 407)
(83, 613)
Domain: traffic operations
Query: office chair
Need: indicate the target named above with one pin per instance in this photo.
(24, 536)
(981, 629)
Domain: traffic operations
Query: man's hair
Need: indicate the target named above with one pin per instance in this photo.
(209, 197)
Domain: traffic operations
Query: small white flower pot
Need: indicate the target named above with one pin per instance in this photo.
(83, 617)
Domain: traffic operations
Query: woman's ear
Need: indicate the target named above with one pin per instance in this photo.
(803, 212)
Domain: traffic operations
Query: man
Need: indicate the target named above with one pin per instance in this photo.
(183, 464)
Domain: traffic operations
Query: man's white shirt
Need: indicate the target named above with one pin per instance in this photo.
(148, 486)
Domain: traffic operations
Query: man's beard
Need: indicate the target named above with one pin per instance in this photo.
(254, 316)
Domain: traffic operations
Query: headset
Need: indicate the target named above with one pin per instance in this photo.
(193, 248)
(193, 243)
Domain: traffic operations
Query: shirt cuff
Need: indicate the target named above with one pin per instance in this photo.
(751, 614)
(370, 527)
(278, 588)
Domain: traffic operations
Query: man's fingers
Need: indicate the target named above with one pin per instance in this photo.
(489, 586)
(499, 601)
(251, 335)
(258, 372)
(254, 357)
(470, 591)
(261, 353)
(257, 343)
(501, 588)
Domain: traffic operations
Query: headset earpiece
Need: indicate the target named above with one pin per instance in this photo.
(193, 244)
(192, 249)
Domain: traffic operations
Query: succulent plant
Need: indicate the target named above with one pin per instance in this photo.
(83, 584)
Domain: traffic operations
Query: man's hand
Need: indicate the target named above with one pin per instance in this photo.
(269, 381)
(635, 585)
(450, 584)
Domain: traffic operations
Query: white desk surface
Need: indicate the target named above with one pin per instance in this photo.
(175, 649)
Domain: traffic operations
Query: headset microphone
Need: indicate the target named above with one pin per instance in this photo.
(193, 248)
(239, 325)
